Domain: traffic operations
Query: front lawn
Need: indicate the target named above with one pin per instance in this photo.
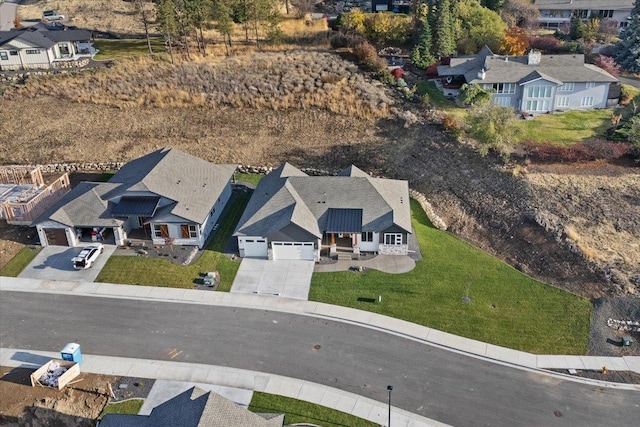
(298, 411)
(567, 128)
(505, 307)
(129, 407)
(126, 48)
(161, 272)
(18, 262)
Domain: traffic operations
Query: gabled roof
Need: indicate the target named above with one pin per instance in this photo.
(584, 4)
(83, 206)
(516, 69)
(289, 196)
(42, 36)
(193, 183)
(195, 408)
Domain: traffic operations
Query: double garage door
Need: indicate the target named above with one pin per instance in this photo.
(292, 250)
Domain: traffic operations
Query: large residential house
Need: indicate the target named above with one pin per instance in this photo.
(555, 13)
(533, 83)
(44, 46)
(167, 196)
(292, 215)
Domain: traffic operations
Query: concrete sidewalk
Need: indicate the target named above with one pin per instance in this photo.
(454, 343)
(393, 264)
(229, 378)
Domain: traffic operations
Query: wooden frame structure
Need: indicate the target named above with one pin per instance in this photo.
(34, 199)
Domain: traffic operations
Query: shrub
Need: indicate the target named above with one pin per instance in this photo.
(367, 55)
(627, 93)
(450, 124)
(608, 64)
(473, 94)
(589, 150)
(546, 44)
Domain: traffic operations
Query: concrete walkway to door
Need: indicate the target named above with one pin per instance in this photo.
(284, 278)
(394, 264)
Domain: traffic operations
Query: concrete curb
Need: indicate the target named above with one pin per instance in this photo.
(469, 347)
(340, 400)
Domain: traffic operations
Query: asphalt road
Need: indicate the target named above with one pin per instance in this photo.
(438, 384)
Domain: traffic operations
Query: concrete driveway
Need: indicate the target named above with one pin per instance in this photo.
(54, 263)
(285, 278)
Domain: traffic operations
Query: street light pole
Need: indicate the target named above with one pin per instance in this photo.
(389, 389)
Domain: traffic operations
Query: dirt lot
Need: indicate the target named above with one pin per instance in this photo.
(78, 404)
(12, 239)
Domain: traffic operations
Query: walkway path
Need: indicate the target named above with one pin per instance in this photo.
(409, 330)
(229, 377)
(394, 264)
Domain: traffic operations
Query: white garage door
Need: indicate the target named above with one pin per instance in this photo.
(293, 250)
(254, 248)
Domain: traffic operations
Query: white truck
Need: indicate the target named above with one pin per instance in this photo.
(87, 256)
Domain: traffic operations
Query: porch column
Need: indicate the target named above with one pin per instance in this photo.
(332, 248)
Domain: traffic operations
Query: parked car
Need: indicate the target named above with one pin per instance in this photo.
(52, 15)
(87, 256)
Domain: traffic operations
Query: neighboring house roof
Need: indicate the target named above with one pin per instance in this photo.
(516, 69)
(195, 408)
(192, 184)
(584, 4)
(42, 36)
(318, 203)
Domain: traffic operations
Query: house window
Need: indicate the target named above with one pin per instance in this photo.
(13, 52)
(606, 13)
(537, 105)
(394, 239)
(539, 92)
(586, 101)
(193, 231)
(504, 87)
(64, 49)
(562, 101)
(4, 56)
(161, 230)
(33, 51)
(583, 14)
(367, 236)
(188, 231)
(623, 24)
(590, 85)
(503, 101)
(567, 87)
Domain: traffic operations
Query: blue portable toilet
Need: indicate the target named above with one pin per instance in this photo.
(71, 352)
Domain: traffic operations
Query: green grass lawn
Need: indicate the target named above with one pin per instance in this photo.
(507, 308)
(18, 262)
(298, 411)
(567, 128)
(253, 178)
(161, 272)
(129, 407)
(126, 48)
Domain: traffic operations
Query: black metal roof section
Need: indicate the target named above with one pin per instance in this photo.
(136, 206)
(344, 220)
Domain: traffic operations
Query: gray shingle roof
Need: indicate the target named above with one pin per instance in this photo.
(193, 183)
(42, 36)
(195, 408)
(515, 69)
(83, 206)
(584, 4)
(287, 196)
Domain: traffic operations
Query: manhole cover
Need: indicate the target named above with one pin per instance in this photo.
(317, 347)
(557, 413)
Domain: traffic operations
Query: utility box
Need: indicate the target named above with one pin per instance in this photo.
(71, 352)
(627, 341)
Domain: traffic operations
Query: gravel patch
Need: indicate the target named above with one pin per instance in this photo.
(606, 341)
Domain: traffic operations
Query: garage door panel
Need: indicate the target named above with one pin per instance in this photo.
(293, 250)
(255, 248)
(56, 236)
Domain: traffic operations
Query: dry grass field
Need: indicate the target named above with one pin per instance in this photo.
(104, 15)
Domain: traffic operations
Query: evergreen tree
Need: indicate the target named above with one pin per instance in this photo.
(576, 29)
(166, 22)
(223, 14)
(445, 43)
(421, 55)
(628, 48)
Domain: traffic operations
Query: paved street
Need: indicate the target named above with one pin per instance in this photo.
(435, 383)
